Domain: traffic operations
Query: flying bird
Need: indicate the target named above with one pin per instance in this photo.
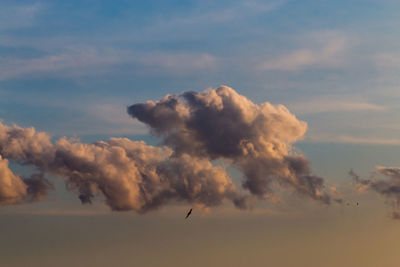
(188, 214)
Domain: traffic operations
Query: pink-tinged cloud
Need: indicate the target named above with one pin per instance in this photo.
(196, 129)
(14, 189)
(221, 124)
(131, 175)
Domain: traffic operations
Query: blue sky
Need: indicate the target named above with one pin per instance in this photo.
(72, 67)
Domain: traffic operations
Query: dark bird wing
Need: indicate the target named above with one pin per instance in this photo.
(188, 214)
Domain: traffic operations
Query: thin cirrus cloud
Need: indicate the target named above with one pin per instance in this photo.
(226, 14)
(18, 16)
(324, 104)
(324, 50)
(177, 63)
(108, 118)
(387, 60)
(80, 61)
(73, 61)
(349, 139)
(96, 118)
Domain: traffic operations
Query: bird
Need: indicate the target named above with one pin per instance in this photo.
(188, 214)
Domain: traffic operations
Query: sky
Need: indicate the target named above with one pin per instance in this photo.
(84, 70)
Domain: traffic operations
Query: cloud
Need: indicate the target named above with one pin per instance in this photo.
(336, 195)
(17, 16)
(361, 185)
(328, 50)
(197, 128)
(224, 14)
(388, 61)
(106, 118)
(387, 66)
(346, 139)
(74, 61)
(131, 175)
(388, 188)
(324, 104)
(177, 63)
(87, 60)
(14, 189)
(221, 124)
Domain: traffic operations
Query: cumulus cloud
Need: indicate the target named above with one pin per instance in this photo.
(14, 189)
(131, 175)
(221, 124)
(196, 129)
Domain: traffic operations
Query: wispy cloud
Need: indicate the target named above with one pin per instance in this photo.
(111, 118)
(224, 14)
(17, 16)
(347, 139)
(388, 59)
(80, 61)
(74, 60)
(177, 62)
(97, 117)
(327, 49)
(324, 104)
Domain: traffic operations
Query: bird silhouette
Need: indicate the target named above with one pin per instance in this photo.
(188, 214)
